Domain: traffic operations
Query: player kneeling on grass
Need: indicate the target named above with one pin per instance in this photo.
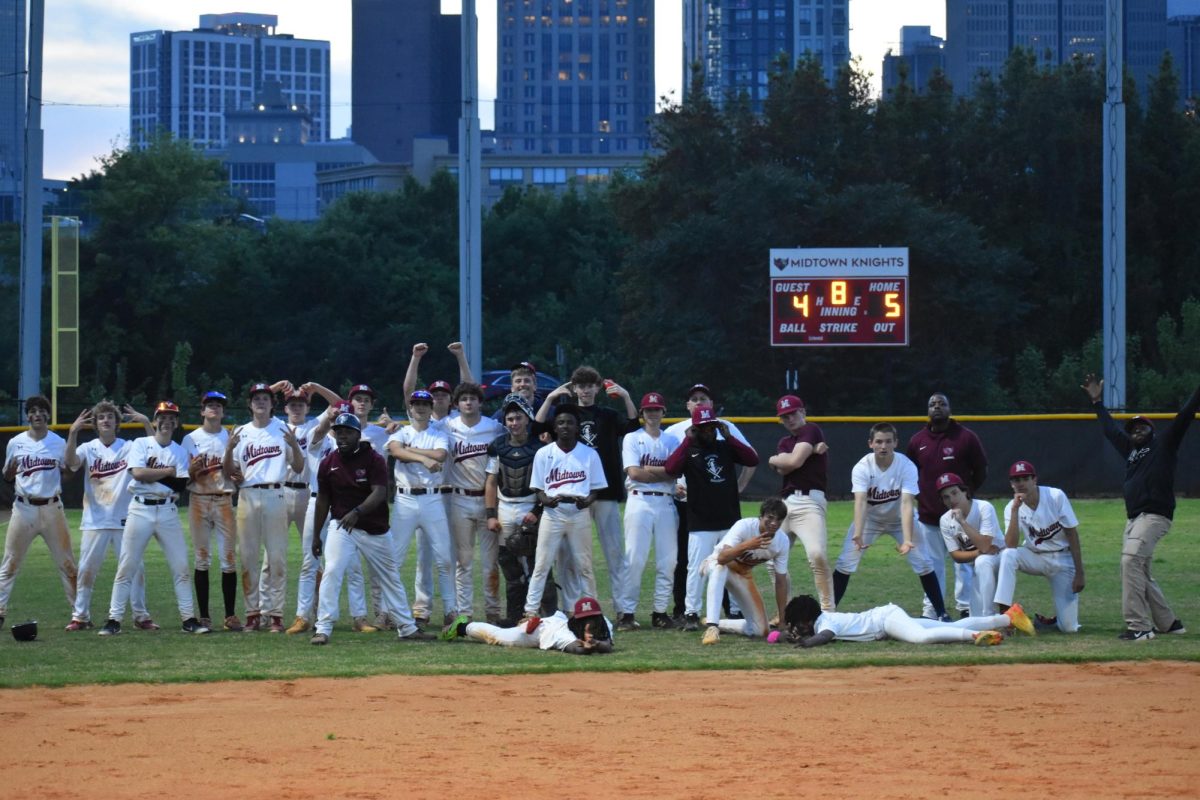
(808, 626)
(585, 633)
(750, 542)
(973, 539)
(352, 486)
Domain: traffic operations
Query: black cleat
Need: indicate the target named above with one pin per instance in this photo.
(111, 628)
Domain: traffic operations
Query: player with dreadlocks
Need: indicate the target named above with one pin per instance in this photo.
(587, 632)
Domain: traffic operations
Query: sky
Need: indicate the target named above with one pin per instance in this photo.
(85, 85)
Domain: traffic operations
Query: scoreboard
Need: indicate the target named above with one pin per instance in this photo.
(842, 296)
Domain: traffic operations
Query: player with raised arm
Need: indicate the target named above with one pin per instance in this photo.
(971, 535)
(1042, 538)
(750, 542)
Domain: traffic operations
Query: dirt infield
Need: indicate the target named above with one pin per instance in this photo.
(1086, 731)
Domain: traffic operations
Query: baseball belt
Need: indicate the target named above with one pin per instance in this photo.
(38, 501)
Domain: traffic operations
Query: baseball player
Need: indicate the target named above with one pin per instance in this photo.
(972, 536)
(884, 483)
(944, 446)
(261, 453)
(159, 469)
(352, 487)
(523, 380)
(809, 626)
(105, 506)
(511, 505)
(321, 444)
(801, 459)
(1042, 538)
(470, 433)
(650, 514)
(585, 633)
(1149, 490)
(750, 542)
(602, 429)
(567, 476)
(708, 464)
(420, 450)
(34, 460)
(210, 509)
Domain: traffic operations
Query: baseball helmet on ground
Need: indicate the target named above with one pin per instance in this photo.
(25, 631)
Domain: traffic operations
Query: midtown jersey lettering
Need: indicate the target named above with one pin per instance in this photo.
(255, 454)
(561, 477)
(28, 465)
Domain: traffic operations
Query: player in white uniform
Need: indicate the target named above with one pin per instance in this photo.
(262, 452)
(567, 475)
(585, 633)
(105, 506)
(750, 542)
(809, 626)
(470, 433)
(1042, 538)
(420, 451)
(35, 460)
(885, 489)
(159, 469)
(973, 538)
(650, 514)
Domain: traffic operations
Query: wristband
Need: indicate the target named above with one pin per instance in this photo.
(491, 513)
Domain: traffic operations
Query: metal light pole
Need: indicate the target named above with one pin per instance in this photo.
(31, 216)
(470, 216)
(1114, 210)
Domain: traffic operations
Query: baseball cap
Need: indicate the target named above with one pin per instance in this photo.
(704, 415)
(166, 407)
(214, 396)
(523, 365)
(347, 421)
(341, 407)
(1020, 468)
(787, 404)
(947, 479)
(587, 607)
(259, 388)
(1138, 420)
(420, 396)
(440, 386)
(361, 388)
(699, 387)
(653, 400)
(295, 394)
(520, 402)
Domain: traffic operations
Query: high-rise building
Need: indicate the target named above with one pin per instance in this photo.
(574, 76)
(920, 56)
(12, 108)
(737, 42)
(185, 81)
(1183, 40)
(406, 76)
(980, 34)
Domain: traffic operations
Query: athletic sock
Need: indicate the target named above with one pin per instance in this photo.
(933, 591)
(840, 581)
(200, 579)
(229, 592)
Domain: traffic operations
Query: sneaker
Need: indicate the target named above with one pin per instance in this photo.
(192, 625)
(233, 624)
(453, 630)
(1019, 619)
(360, 625)
(531, 623)
(382, 623)
(147, 625)
(691, 622)
(319, 638)
(661, 621)
(299, 626)
(111, 628)
(1136, 636)
(418, 636)
(988, 638)
(276, 625)
(627, 623)
(712, 635)
(206, 622)
(736, 615)
(79, 625)
(963, 613)
(1176, 628)
(422, 622)
(253, 622)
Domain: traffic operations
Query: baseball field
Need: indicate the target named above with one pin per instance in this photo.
(261, 715)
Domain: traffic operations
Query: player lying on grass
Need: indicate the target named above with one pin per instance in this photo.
(808, 626)
(587, 632)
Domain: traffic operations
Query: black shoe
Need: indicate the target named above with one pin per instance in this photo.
(945, 618)
(418, 636)
(627, 623)
(192, 625)
(1176, 627)
(736, 615)
(966, 612)
(111, 628)
(661, 621)
(1, 623)
(691, 622)
(1136, 636)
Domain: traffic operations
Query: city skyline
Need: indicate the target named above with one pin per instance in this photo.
(86, 72)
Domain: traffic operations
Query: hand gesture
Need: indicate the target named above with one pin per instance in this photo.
(282, 387)
(455, 347)
(84, 420)
(565, 389)
(1093, 386)
(349, 521)
(1078, 583)
(420, 349)
(234, 437)
(589, 641)
(289, 437)
(493, 525)
(822, 448)
(859, 542)
(133, 415)
(904, 547)
(957, 515)
(1018, 500)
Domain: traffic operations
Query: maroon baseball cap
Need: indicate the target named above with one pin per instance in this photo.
(1138, 420)
(699, 387)
(361, 388)
(1020, 468)
(948, 479)
(653, 400)
(587, 607)
(787, 404)
(295, 394)
(523, 365)
(704, 415)
(259, 388)
(341, 407)
(440, 386)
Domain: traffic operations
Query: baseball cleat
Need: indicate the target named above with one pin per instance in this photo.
(422, 622)
(79, 625)
(1020, 620)
(276, 625)
(454, 629)
(1176, 628)
(382, 623)
(146, 625)
(418, 636)
(627, 623)
(206, 622)
(712, 635)
(192, 625)
(360, 625)
(319, 638)
(988, 638)
(253, 621)
(1136, 636)
(1, 622)
(299, 626)
(945, 618)
(233, 624)
(661, 621)
(111, 628)
(691, 622)
(531, 623)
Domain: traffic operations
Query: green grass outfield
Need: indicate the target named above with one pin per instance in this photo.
(58, 658)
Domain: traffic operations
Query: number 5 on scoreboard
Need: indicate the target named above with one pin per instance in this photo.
(891, 303)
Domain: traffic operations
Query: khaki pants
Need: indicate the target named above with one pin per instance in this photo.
(1142, 602)
(806, 522)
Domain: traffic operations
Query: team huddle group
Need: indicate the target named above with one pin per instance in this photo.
(521, 492)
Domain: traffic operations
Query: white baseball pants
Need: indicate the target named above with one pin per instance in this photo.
(162, 523)
(344, 546)
(984, 574)
(649, 518)
(740, 583)
(850, 556)
(209, 514)
(700, 546)
(504, 637)
(92, 547)
(262, 523)
(427, 513)
(1057, 567)
(27, 522)
(467, 522)
(935, 552)
(563, 526)
(306, 587)
(898, 625)
(606, 514)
